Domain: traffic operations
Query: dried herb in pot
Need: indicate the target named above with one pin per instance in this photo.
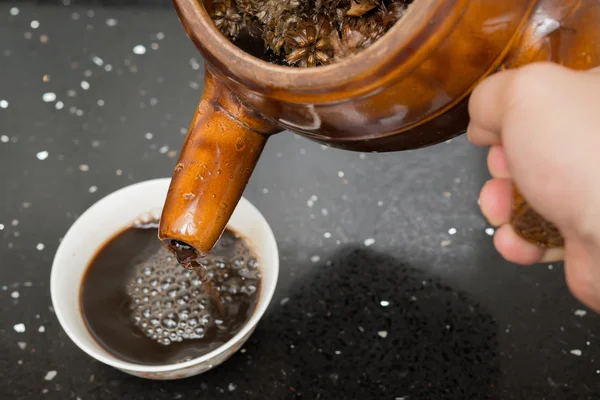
(306, 33)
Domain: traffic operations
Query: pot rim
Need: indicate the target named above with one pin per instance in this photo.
(394, 55)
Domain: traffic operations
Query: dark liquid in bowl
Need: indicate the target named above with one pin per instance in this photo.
(142, 307)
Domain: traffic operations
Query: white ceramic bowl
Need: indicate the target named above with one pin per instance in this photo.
(112, 214)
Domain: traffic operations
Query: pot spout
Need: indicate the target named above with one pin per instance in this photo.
(220, 152)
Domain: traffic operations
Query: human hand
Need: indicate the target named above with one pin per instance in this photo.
(542, 122)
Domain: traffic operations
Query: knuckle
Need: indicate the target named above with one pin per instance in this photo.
(530, 85)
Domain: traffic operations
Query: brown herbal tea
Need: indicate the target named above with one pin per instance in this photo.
(305, 33)
(141, 306)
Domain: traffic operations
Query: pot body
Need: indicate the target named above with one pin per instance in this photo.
(415, 94)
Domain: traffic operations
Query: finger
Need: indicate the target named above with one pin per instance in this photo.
(594, 70)
(487, 108)
(497, 163)
(581, 278)
(495, 201)
(480, 136)
(519, 251)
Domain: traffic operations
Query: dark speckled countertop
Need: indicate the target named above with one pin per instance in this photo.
(389, 288)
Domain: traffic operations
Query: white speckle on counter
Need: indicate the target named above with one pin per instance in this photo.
(42, 155)
(100, 102)
(310, 202)
(490, 231)
(315, 258)
(93, 189)
(1, 227)
(149, 136)
(108, 67)
(139, 49)
(20, 328)
(84, 168)
(369, 242)
(59, 105)
(576, 352)
(15, 222)
(111, 22)
(41, 329)
(160, 36)
(14, 295)
(284, 301)
(380, 203)
(337, 352)
(231, 387)
(49, 97)
(447, 195)
(341, 174)
(119, 172)
(194, 64)
(382, 334)
(34, 24)
(265, 190)
(445, 243)
(302, 151)
(4, 139)
(98, 61)
(153, 101)
(362, 156)
(580, 313)
(40, 246)
(85, 85)
(550, 266)
(163, 149)
(50, 375)
(327, 235)
(452, 231)
(14, 11)
(384, 303)
(324, 212)
(22, 345)
(3, 104)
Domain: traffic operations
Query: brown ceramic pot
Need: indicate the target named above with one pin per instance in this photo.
(408, 90)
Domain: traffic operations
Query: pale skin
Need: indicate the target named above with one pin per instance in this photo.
(542, 125)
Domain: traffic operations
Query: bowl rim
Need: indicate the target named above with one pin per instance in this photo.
(266, 293)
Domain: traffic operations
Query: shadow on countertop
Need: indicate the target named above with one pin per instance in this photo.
(333, 338)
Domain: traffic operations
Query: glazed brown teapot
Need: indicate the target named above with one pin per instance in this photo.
(408, 90)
